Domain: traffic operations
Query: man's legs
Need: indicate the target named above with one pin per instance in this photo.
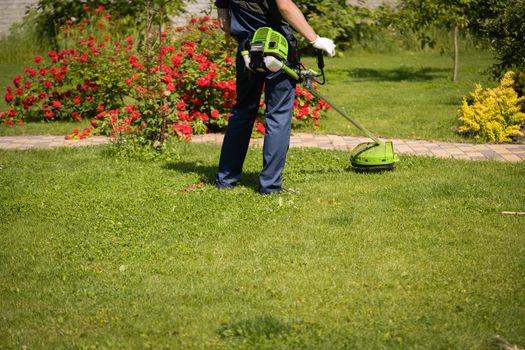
(280, 96)
(237, 137)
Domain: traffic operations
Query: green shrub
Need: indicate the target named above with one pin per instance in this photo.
(346, 25)
(495, 114)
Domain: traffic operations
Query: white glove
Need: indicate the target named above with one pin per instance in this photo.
(324, 44)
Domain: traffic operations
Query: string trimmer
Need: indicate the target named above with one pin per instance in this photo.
(268, 52)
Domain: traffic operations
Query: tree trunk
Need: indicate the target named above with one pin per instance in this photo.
(456, 53)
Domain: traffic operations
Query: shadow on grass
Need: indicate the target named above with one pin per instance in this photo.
(207, 172)
(398, 74)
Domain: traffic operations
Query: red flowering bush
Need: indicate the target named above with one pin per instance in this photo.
(71, 84)
(175, 82)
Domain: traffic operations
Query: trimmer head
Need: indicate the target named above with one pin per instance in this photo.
(372, 156)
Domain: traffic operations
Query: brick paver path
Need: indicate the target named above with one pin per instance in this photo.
(504, 152)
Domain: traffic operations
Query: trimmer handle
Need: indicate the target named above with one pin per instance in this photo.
(320, 59)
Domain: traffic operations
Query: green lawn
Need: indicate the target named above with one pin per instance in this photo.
(104, 253)
(406, 95)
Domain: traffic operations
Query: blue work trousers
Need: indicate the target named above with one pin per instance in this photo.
(279, 91)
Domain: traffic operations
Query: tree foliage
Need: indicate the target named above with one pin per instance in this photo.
(507, 37)
(345, 24)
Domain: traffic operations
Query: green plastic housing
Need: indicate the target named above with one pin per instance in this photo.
(372, 154)
(269, 42)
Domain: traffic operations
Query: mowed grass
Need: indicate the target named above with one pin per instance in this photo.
(407, 94)
(111, 254)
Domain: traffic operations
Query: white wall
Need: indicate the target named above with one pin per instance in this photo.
(12, 11)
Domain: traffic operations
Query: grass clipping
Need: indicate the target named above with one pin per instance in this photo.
(495, 114)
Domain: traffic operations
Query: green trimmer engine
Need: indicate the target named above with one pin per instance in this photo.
(268, 52)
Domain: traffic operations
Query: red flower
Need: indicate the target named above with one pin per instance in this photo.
(75, 115)
(203, 82)
(16, 81)
(100, 9)
(9, 97)
(184, 130)
(85, 8)
(181, 105)
(57, 104)
(77, 100)
(48, 114)
(215, 114)
(176, 61)
(11, 113)
(86, 131)
(183, 116)
(38, 59)
(129, 40)
(260, 127)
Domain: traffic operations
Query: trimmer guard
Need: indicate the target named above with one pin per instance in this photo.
(369, 155)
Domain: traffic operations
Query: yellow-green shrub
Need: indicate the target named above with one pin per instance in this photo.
(495, 114)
